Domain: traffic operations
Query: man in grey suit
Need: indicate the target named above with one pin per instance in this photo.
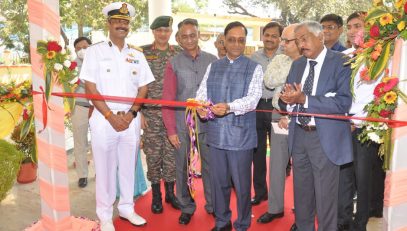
(318, 83)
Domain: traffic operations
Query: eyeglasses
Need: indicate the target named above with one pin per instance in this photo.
(330, 27)
(286, 41)
(240, 41)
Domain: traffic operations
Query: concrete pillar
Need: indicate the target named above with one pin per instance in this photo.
(157, 8)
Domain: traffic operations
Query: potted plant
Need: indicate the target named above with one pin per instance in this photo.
(26, 144)
(10, 159)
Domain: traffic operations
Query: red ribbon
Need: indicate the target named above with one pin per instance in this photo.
(391, 123)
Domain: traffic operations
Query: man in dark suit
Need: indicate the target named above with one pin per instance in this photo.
(318, 83)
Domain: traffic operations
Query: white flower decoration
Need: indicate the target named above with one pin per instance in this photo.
(58, 66)
(374, 137)
(73, 81)
(63, 51)
(67, 63)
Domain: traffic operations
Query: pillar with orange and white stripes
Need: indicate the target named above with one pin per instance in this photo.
(395, 195)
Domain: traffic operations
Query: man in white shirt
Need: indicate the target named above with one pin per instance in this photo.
(357, 176)
(317, 83)
(234, 84)
(115, 68)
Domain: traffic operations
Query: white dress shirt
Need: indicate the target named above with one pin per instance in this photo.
(115, 72)
(317, 71)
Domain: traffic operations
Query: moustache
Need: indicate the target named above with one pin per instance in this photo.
(122, 28)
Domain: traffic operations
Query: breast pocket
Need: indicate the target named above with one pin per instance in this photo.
(134, 71)
(106, 69)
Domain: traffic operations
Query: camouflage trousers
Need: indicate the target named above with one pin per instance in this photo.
(160, 154)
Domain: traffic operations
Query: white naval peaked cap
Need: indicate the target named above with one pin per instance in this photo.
(119, 10)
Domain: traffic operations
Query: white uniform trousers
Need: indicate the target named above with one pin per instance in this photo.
(80, 126)
(114, 153)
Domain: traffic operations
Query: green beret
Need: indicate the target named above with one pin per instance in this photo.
(161, 21)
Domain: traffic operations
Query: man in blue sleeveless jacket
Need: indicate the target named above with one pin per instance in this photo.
(234, 85)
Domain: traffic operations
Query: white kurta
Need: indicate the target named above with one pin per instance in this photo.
(115, 73)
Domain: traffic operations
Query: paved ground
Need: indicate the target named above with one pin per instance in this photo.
(22, 205)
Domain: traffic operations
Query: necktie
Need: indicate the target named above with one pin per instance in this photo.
(307, 89)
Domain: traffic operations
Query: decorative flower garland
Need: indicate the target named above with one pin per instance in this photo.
(59, 67)
(12, 92)
(385, 22)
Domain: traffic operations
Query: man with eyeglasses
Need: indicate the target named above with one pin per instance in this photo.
(318, 82)
(275, 77)
(271, 40)
(115, 68)
(234, 85)
(220, 45)
(332, 26)
(183, 74)
(160, 154)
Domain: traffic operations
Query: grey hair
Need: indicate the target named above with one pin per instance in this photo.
(219, 35)
(312, 26)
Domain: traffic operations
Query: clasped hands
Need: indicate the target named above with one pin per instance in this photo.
(219, 109)
(120, 121)
(292, 94)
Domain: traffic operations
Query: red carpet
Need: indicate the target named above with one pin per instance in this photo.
(168, 220)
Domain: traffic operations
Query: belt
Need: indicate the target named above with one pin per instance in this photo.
(266, 99)
(308, 128)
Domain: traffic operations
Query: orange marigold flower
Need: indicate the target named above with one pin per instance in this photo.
(398, 4)
(386, 19)
(390, 97)
(378, 48)
(364, 74)
(51, 54)
(375, 55)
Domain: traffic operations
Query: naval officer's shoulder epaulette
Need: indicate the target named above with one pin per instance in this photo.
(97, 43)
(135, 47)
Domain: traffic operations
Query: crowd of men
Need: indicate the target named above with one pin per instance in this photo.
(299, 69)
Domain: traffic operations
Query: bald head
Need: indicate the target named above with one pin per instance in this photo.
(288, 42)
(220, 45)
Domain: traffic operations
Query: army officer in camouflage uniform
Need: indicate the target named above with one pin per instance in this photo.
(159, 152)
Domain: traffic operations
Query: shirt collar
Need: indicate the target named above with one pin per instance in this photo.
(320, 58)
(186, 53)
(232, 61)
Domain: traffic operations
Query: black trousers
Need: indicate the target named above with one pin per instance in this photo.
(263, 125)
(357, 176)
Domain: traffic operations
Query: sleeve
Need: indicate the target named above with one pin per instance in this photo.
(146, 75)
(202, 93)
(249, 102)
(169, 93)
(90, 66)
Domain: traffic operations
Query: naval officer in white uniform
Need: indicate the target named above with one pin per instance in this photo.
(115, 68)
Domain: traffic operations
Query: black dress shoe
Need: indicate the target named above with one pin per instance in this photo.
(82, 182)
(343, 227)
(256, 200)
(227, 227)
(293, 227)
(268, 217)
(185, 218)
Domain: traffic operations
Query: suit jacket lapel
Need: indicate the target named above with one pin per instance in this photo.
(301, 69)
(325, 73)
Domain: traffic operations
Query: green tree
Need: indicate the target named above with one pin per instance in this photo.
(85, 13)
(293, 11)
(14, 27)
(186, 7)
(14, 32)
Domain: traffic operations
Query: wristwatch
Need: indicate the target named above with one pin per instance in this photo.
(134, 112)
